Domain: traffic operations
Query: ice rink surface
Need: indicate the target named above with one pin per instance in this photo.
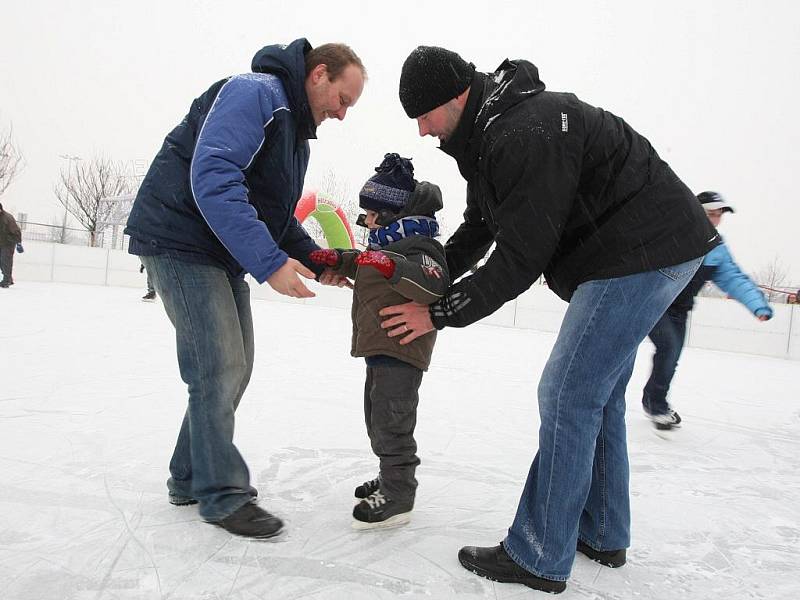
(91, 400)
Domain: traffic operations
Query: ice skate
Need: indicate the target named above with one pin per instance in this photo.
(367, 488)
(665, 421)
(378, 511)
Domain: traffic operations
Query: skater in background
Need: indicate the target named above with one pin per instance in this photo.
(403, 262)
(10, 240)
(150, 296)
(669, 333)
(563, 188)
(218, 202)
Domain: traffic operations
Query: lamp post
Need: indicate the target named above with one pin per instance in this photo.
(71, 158)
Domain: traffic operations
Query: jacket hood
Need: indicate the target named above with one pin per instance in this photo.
(288, 63)
(511, 83)
(425, 200)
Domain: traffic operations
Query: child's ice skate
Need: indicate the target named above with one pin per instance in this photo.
(378, 511)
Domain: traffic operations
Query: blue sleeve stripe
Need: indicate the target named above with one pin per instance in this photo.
(232, 134)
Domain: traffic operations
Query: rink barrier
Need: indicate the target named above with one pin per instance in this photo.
(715, 323)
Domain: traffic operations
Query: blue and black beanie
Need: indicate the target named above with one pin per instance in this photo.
(391, 186)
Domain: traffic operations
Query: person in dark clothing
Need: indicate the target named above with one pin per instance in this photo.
(403, 262)
(571, 191)
(669, 333)
(10, 240)
(150, 295)
(217, 202)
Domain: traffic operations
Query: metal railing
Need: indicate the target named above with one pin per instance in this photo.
(110, 237)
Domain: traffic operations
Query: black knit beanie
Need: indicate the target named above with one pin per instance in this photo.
(432, 76)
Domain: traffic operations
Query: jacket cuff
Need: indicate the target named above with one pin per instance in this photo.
(438, 322)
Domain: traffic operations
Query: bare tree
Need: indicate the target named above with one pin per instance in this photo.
(82, 187)
(11, 162)
(771, 277)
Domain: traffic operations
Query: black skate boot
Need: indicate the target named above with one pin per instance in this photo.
(367, 488)
(495, 564)
(252, 521)
(609, 558)
(666, 421)
(378, 511)
(149, 297)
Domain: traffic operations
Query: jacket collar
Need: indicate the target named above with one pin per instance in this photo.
(461, 145)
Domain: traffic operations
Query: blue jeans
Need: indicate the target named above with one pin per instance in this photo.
(578, 482)
(668, 336)
(214, 333)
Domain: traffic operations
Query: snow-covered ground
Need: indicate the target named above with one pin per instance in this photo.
(90, 402)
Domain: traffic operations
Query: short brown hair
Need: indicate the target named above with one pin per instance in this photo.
(337, 57)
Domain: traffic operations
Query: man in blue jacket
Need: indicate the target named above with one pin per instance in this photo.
(217, 202)
(669, 333)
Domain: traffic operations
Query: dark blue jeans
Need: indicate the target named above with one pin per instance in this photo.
(214, 334)
(578, 483)
(668, 336)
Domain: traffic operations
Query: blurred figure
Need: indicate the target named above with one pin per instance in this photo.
(10, 239)
(669, 333)
(150, 296)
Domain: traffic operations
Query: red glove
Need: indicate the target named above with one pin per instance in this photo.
(329, 257)
(377, 260)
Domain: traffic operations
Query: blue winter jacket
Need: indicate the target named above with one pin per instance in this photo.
(223, 188)
(718, 266)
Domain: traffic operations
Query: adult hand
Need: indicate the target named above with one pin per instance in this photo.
(331, 277)
(763, 318)
(411, 320)
(286, 281)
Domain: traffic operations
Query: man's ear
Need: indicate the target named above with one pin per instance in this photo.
(318, 72)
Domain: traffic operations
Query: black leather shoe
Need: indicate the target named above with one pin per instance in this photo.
(609, 558)
(252, 521)
(493, 563)
(178, 500)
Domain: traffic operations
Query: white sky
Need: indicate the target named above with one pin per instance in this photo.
(709, 83)
(91, 401)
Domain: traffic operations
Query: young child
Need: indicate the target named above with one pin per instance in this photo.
(403, 262)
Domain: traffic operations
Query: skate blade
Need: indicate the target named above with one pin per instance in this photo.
(395, 521)
(665, 434)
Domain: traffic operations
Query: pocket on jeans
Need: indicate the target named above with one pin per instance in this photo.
(676, 272)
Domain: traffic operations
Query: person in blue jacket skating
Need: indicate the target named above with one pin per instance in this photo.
(669, 333)
(217, 202)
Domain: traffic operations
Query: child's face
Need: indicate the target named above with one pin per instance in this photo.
(715, 216)
(369, 220)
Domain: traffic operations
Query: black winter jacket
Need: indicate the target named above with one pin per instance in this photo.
(563, 189)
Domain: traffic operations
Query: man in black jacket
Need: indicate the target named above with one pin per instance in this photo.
(567, 190)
